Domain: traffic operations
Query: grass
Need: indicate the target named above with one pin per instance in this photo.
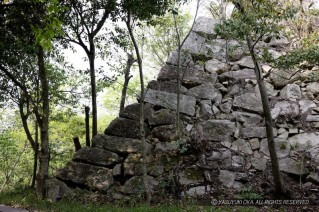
(28, 200)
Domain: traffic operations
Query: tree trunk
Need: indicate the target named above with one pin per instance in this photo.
(142, 132)
(91, 57)
(44, 127)
(87, 126)
(77, 144)
(280, 190)
(36, 151)
(127, 77)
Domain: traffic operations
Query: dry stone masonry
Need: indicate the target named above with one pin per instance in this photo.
(224, 141)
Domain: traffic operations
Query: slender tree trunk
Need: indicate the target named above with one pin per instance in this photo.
(44, 127)
(87, 126)
(279, 186)
(91, 57)
(36, 151)
(127, 77)
(77, 144)
(142, 132)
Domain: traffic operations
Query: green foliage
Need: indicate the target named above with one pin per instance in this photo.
(248, 193)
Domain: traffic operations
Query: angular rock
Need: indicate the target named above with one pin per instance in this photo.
(117, 170)
(238, 161)
(125, 128)
(291, 92)
(246, 62)
(259, 163)
(314, 154)
(191, 176)
(215, 66)
(280, 78)
(196, 191)
(253, 132)
(306, 105)
(206, 111)
(283, 147)
(226, 107)
(185, 59)
(162, 117)
(236, 54)
(254, 143)
(195, 44)
(238, 75)
(248, 119)
(95, 177)
(135, 185)
(204, 91)
(205, 25)
(169, 87)
(227, 178)
(291, 166)
(285, 109)
(249, 102)
(313, 87)
(133, 112)
(56, 190)
(217, 130)
(119, 144)
(96, 156)
(312, 118)
(169, 101)
(190, 76)
(242, 146)
(167, 147)
(304, 141)
(165, 133)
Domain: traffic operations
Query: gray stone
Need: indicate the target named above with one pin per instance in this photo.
(165, 133)
(95, 177)
(306, 105)
(314, 154)
(236, 53)
(190, 76)
(205, 25)
(185, 59)
(96, 156)
(279, 43)
(217, 130)
(314, 177)
(304, 141)
(117, 170)
(282, 146)
(254, 143)
(125, 128)
(169, 87)
(119, 144)
(313, 87)
(195, 44)
(253, 132)
(135, 185)
(196, 191)
(280, 78)
(238, 75)
(169, 100)
(204, 91)
(285, 109)
(206, 111)
(270, 89)
(215, 66)
(242, 146)
(246, 62)
(259, 163)
(167, 147)
(291, 166)
(162, 117)
(227, 178)
(312, 118)
(133, 112)
(238, 161)
(56, 190)
(248, 119)
(249, 101)
(291, 91)
(191, 176)
(226, 107)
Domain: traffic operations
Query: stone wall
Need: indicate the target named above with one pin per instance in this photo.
(224, 142)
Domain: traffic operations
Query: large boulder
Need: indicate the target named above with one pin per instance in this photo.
(204, 91)
(206, 26)
(227, 178)
(119, 144)
(304, 141)
(56, 190)
(247, 119)
(250, 102)
(191, 176)
(282, 146)
(170, 87)
(135, 185)
(185, 59)
(169, 101)
(133, 112)
(291, 92)
(94, 177)
(246, 62)
(217, 130)
(253, 132)
(281, 78)
(125, 128)
(190, 76)
(238, 75)
(242, 146)
(292, 166)
(313, 87)
(96, 156)
(165, 133)
(195, 44)
(285, 109)
(162, 117)
(216, 66)
(306, 106)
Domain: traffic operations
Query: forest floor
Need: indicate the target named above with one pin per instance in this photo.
(27, 200)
